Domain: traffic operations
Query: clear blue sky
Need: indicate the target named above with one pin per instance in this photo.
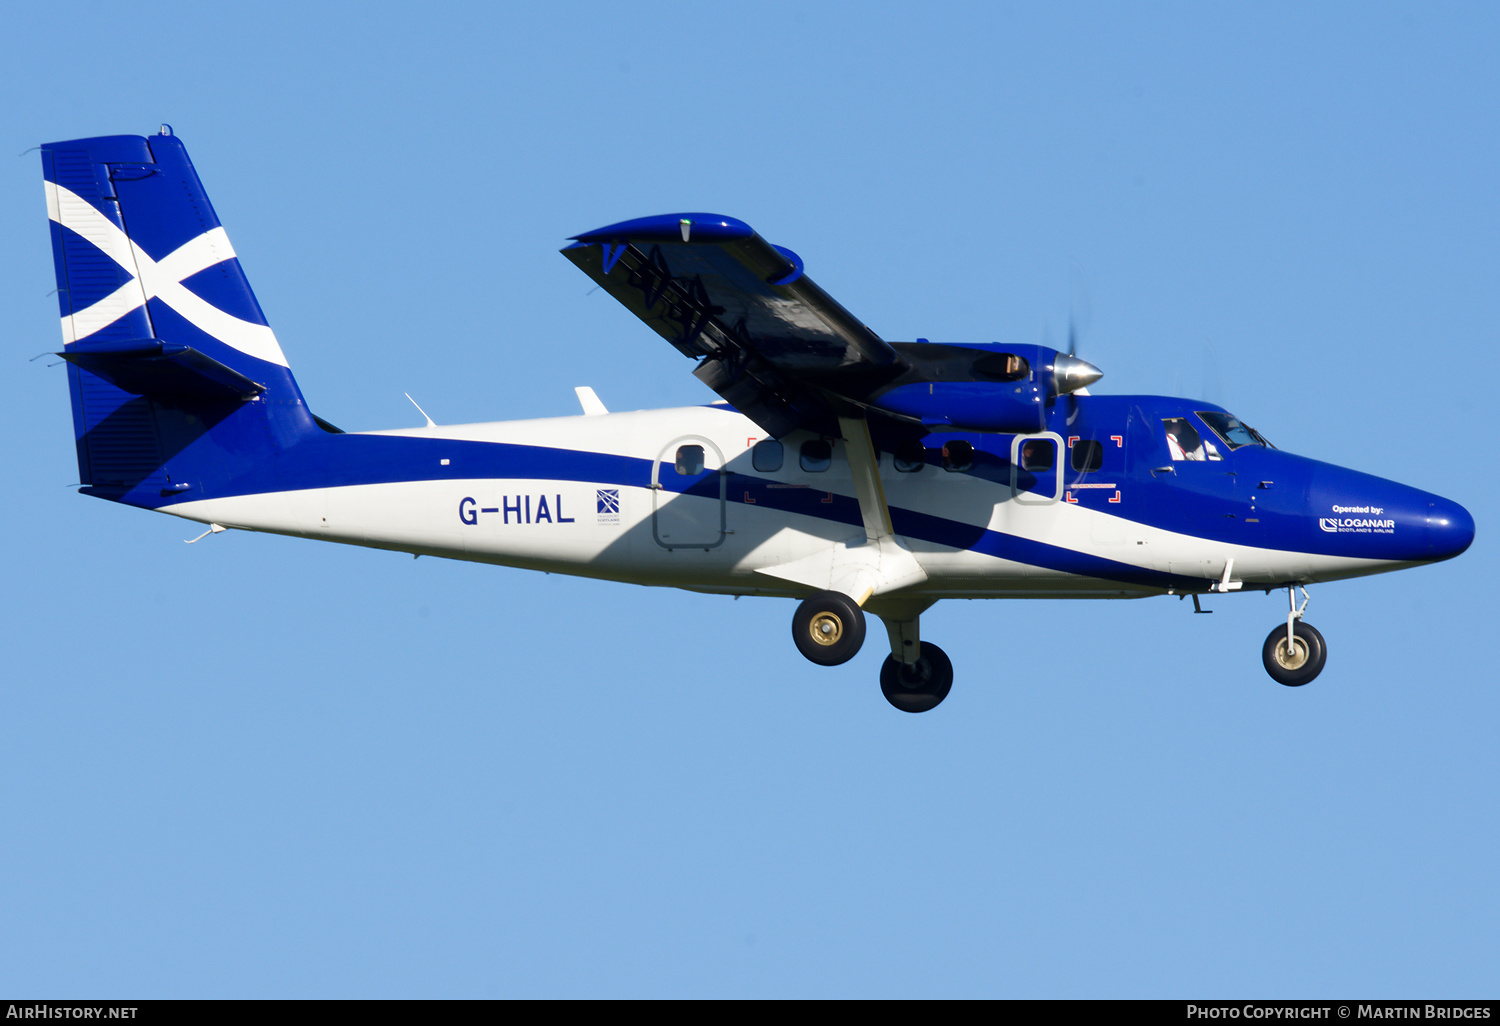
(259, 766)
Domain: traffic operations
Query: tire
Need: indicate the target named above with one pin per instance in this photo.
(1297, 667)
(918, 687)
(829, 628)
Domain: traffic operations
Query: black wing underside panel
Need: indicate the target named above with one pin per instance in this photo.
(769, 340)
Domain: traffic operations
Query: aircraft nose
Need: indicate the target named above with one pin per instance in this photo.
(1450, 528)
(1366, 517)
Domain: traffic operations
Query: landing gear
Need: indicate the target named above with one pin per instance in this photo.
(1300, 661)
(1294, 654)
(919, 686)
(829, 628)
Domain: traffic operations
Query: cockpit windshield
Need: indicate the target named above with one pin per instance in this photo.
(1232, 430)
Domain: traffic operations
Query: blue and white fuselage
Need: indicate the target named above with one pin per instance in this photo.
(601, 496)
(855, 474)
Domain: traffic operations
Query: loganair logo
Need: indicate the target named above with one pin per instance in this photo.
(155, 279)
(1370, 523)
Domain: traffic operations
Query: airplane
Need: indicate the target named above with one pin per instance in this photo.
(853, 474)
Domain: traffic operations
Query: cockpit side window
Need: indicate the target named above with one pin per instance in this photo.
(1231, 430)
(1185, 443)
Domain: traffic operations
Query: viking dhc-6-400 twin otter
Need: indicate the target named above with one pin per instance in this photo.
(848, 472)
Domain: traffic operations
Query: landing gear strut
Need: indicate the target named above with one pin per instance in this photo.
(1294, 654)
(917, 675)
(829, 628)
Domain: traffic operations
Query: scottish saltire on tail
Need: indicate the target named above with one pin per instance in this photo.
(177, 381)
(853, 473)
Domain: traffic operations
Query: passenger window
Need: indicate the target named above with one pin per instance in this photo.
(817, 456)
(766, 456)
(689, 459)
(1087, 455)
(910, 458)
(958, 456)
(1038, 454)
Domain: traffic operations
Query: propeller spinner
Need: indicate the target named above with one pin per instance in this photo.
(1070, 373)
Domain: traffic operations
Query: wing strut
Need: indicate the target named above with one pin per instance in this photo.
(864, 465)
(901, 612)
(865, 566)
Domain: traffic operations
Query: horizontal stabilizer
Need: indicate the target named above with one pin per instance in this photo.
(163, 370)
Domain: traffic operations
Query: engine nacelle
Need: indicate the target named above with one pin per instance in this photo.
(970, 405)
(984, 387)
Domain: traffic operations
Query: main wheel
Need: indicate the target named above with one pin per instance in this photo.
(919, 686)
(829, 628)
(1299, 663)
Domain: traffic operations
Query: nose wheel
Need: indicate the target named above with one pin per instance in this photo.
(1294, 654)
(1297, 662)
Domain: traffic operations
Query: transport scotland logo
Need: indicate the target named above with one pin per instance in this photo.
(607, 505)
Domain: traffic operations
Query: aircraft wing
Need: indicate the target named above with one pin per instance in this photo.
(769, 340)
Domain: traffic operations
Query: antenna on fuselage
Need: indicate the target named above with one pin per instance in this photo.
(592, 405)
(423, 412)
(1212, 389)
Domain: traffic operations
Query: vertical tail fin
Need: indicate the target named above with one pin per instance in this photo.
(177, 381)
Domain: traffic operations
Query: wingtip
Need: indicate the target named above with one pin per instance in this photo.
(705, 228)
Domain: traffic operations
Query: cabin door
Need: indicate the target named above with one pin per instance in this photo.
(689, 507)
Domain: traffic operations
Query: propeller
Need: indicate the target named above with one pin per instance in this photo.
(1071, 375)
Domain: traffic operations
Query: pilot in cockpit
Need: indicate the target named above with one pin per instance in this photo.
(1183, 441)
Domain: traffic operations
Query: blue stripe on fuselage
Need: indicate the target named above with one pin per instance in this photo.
(350, 459)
